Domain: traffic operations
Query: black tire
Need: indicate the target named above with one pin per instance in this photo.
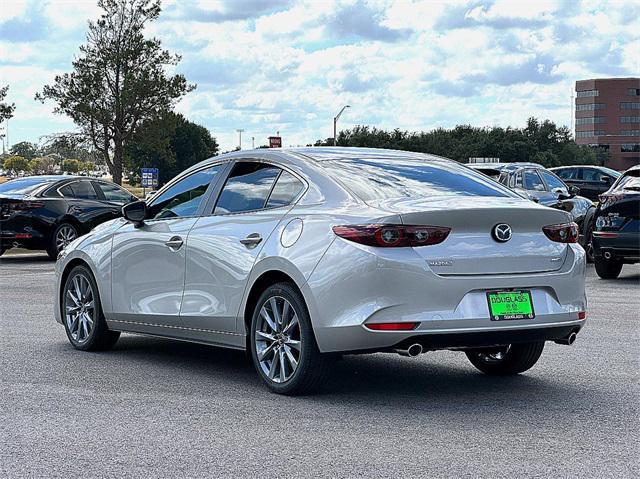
(516, 358)
(100, 338)
(607, 269)
(53, 248)
(313, 367)
(588, 234)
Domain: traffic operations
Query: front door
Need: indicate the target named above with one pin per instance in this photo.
(223, 246)
(148, 262)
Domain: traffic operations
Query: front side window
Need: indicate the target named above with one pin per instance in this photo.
(114, 193)
(184, 197)
(553, 181)
(247, 188)
(532, 181)
(382, 178)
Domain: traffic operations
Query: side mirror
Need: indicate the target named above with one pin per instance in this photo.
(135, 212)
(606, 179)
(574, 191)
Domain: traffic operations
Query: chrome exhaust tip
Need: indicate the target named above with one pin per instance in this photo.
(411, 352)
(607, 255)
(569, 340)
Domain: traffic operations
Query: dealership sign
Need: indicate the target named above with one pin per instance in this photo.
(275, 142)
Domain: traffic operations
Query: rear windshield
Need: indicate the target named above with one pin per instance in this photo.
(374, 179)
(629, 182)
(23, 186)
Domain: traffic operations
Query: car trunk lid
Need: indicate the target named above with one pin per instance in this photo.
(471, 247)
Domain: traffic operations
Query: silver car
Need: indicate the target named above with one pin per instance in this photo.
(301, 255)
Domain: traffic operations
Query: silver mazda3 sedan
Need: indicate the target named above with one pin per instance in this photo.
(300, 255)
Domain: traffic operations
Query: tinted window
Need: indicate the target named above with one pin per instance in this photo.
(591, 175)
(286, 189)
(567, 173)
(184, 197)
(23, 186)
(394, 178)
(66, 191)
(532, 181)
(247, 188)
(630, 181)
(114, 193)
(553, 182)
(83, 190)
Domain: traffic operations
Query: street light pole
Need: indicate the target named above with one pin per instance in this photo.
(335, 122)
(240, 130)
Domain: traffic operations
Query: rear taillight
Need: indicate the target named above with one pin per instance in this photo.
(564, 233)
(390, 236)
(392, 326)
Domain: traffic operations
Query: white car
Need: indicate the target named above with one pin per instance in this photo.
(300, 255)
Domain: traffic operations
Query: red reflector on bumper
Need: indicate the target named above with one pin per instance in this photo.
(23, 236)
(392, 326)
(582, 315)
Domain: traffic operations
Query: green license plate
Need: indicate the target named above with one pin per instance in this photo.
(505, 305)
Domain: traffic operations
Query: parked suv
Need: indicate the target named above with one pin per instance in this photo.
(592, 180)
(616, 236)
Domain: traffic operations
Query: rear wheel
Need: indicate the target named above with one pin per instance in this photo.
(283, 347)
(506, 360)
(64, 234)
(608, 269)
(82, 313)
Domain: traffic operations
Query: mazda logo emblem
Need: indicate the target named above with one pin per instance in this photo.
(502, 232)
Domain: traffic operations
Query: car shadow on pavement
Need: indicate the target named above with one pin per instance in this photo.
(25, 258)
(378, 379)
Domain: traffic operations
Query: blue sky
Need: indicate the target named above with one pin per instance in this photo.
(289, 66)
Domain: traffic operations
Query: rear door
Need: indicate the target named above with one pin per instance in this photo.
(223, 245)
(84, 204)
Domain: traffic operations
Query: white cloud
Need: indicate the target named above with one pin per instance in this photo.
(290, 66)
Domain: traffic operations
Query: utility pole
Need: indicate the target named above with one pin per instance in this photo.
(253, 142)
(240, 130)
(335, 122)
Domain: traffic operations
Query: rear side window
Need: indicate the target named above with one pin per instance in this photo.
(630, 181)
(287, 188)
(372, 179)
(83, 190)
(247, 188)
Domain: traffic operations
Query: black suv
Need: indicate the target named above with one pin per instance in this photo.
(592, 180)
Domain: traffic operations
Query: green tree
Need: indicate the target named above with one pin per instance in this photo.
(118, 80)
(25, 149)
(6, 109)
(71, 166)
(43, 165)
(16, 164)
(171, 144)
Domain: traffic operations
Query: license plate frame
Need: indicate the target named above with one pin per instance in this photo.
(523, 309)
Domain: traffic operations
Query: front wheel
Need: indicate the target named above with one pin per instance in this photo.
(506, 360)
(283, 347)
(82, 313)
(607, 269)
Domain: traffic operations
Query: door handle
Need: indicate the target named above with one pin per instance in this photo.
(252, 240)
(175, 243)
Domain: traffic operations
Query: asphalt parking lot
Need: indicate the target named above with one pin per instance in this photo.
(156, 408)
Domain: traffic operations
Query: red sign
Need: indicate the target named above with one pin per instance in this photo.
(275, 142)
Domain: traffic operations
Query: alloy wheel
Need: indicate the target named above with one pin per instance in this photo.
(65, 235)
(278, 340)
(79, 308)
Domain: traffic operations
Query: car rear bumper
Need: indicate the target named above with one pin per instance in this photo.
(617, 246)
(450, 310)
